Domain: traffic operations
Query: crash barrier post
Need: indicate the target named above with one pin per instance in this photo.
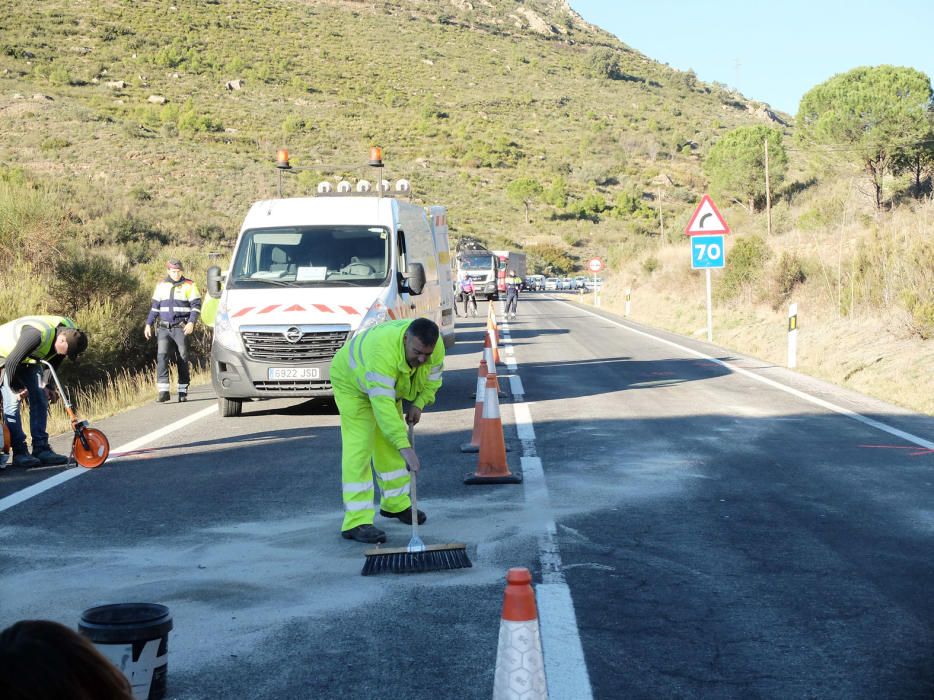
(520, 664)
(491, 462)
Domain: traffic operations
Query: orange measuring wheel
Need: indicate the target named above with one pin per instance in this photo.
(90, 447)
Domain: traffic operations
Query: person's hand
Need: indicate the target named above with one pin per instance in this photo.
(189, 328)
(51, 394)
(413, 415)
(147, 331)
(411, 459)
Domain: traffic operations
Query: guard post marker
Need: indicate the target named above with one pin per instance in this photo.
(792, 336)
(520, 664)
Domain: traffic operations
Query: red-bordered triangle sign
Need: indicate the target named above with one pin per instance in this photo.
(706, 219)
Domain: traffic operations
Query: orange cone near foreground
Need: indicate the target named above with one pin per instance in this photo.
(520, 664)
(474, 444)
(491, 462)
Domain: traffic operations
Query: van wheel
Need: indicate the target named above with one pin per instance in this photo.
(230, 408)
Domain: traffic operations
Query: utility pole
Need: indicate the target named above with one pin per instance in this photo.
(768, 190)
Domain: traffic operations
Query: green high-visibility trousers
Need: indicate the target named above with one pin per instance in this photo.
(365, 451)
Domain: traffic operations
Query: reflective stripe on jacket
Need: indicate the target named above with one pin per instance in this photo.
(46, 325)
(374, 362)
(175, 302)
(513, 284)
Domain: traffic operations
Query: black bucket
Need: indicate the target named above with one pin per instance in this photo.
(135, 637)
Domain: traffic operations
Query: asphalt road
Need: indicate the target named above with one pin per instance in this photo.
(723, 528)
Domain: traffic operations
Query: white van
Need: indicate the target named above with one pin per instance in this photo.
(306, 274)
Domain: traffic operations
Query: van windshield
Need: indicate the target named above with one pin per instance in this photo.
(311, 256)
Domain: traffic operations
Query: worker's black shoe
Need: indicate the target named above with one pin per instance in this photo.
(182, 398)
(365, 533)
(48, 457)
(404, 515)
(162, 397)
(25, 460)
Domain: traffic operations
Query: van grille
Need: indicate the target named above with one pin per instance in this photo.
(269, 346)
(296, 387)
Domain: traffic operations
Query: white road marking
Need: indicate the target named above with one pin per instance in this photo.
(565, 666)
(116, 454)
(865, 420)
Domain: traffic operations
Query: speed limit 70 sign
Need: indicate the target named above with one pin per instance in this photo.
(706, 252)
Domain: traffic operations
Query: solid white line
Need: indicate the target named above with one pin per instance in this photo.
(878, 425)
(60, 478)
(565, 666)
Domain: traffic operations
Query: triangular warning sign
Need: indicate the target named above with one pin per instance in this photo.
(706, 219)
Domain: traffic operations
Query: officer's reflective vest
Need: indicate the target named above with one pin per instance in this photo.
(175, 302)
(513, 284)
(46, 325)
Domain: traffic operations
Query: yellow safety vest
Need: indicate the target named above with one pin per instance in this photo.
(46, 325)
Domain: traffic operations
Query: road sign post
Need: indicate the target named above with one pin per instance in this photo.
(706, 229)
(595, 265)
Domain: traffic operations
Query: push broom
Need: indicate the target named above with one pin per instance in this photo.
(418, 557)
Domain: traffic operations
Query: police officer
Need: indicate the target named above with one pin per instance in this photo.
(513, 285)
(23, 343)
(372, 374)
(176, 303)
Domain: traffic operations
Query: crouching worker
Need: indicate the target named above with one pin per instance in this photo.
(23, 343)
(372, 374)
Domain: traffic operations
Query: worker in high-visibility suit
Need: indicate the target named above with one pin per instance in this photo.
(372, 374)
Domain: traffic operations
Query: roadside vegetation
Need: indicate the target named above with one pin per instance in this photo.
(135, 132)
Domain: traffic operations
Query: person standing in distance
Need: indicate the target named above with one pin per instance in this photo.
(176, 303)
(372, 374)
(23, 342)
(513, 285)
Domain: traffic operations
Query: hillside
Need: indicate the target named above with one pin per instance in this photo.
(133, 127)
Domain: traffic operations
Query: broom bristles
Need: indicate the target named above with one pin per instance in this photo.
(435, 557)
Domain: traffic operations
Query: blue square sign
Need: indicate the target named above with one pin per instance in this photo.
(706, 252)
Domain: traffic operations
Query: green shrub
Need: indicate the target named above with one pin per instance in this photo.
(650, 264)
(787, 275)
(54, 143)
(744, 267)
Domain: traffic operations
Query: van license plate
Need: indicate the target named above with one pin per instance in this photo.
(294, 373)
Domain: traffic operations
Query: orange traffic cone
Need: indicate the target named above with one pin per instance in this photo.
(520, 664)
(493, 344)
(474, 444)
(491, 462)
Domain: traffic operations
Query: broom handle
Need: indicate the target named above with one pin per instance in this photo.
(412, 494)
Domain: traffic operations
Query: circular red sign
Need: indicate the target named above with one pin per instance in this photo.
(595, 264)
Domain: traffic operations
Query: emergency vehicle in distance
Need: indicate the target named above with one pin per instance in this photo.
(308, 272)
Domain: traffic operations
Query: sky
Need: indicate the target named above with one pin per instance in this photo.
(771, 52)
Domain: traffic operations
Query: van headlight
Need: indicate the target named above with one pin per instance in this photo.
(224, 331)
(376, 315)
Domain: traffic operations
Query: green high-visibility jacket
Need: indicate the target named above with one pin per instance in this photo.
(373, 363)
(46, 325)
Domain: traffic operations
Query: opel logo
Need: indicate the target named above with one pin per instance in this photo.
(293, 335)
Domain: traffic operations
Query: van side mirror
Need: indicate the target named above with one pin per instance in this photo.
(215, 281)
(414, 283)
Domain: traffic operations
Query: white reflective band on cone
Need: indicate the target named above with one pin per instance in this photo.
(520, 666)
